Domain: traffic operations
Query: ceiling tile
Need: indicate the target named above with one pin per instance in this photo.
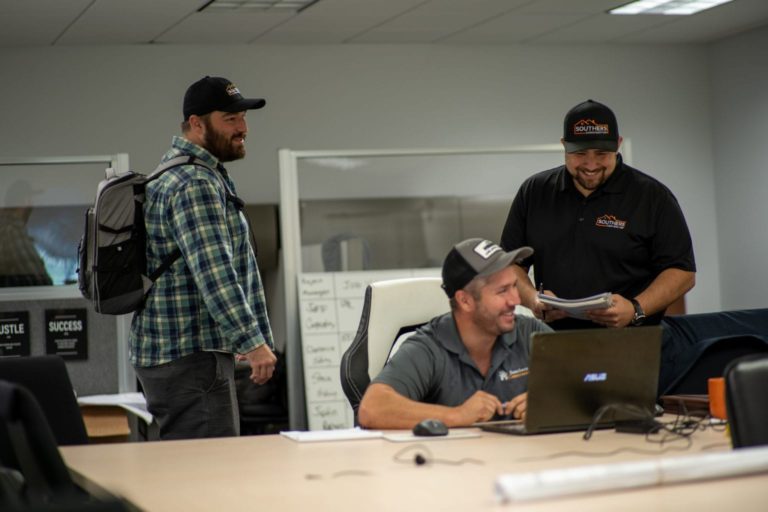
(434, 20)
(36, 23)
(599, 28)
(512, 28)
(337, 21)
(223, 27)
(570, 6)
(121, 22)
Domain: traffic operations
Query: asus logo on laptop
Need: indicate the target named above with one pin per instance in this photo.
(596, 377)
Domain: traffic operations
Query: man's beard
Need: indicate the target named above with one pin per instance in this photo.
(222, 147)
(493, 323)
(597, 179)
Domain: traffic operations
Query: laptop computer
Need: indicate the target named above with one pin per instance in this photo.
(572, 374)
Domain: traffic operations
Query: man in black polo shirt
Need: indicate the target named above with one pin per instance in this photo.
(598, 225)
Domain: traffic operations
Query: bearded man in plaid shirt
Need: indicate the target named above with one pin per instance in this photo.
(209, 307)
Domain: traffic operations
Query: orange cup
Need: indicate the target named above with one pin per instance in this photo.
(716, 388)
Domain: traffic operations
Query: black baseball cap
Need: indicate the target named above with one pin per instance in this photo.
(590, 125)
(477, 257)
(216, 93)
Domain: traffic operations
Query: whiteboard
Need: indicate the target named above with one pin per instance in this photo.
(330, 305)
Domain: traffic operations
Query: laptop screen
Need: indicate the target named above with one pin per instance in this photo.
(575, 373)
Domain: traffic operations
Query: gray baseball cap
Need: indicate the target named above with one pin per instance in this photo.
(477, 257)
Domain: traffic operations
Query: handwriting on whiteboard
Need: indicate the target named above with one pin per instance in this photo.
(330, 305)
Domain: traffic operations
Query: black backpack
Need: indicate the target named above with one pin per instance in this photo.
(112, 252)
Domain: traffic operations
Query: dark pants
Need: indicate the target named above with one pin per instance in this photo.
(193, 397)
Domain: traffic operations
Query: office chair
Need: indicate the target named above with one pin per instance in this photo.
(263, 407)
(109, 505)
(47, 379)
(94, 505)
(746, 401)
(390, 309)
(28, 450)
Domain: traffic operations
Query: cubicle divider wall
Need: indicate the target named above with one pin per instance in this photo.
(68, 327)
(362, 215)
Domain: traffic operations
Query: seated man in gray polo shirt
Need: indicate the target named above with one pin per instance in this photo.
(465, 366)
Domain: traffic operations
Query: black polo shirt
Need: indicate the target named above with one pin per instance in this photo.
(618, 239)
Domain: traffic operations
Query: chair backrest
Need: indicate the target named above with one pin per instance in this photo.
(746, 382)
(389, 306)
(47, 379)
(27, 446)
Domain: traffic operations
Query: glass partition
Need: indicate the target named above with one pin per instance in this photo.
(41, 216)
(384, 211)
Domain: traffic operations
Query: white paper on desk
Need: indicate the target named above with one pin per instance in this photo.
(405, 437)
(346, 434)
(578, 307)
(625, 475)
(134, 403)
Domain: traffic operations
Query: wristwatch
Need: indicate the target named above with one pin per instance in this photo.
(639, 317)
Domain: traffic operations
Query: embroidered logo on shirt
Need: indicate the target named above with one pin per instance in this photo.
(504, 375)
(610, 221)
(590, 127)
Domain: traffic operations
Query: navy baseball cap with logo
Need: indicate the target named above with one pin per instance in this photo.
(213, 93)
(477, 257)
(590, 125)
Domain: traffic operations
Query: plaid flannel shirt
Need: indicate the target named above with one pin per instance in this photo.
(212, 297)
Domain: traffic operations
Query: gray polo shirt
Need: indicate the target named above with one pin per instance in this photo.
(433, 365)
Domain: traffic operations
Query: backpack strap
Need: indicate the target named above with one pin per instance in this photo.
(193, 160)
(175, 162)
(188, 160)
(169, 260)
(166, 264)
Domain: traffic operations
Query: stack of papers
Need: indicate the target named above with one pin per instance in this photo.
(131, 402)
(578, 307)
(347, 434)
(350, 434)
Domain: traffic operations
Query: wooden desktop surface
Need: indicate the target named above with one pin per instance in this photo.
(275, 473)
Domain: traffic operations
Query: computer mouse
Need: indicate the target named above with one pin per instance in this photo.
(430, 427)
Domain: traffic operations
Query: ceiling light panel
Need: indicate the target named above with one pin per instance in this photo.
(667, 7)
(259, 5)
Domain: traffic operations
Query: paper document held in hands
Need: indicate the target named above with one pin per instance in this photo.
(578, 307)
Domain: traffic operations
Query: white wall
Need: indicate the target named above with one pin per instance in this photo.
(68, 100)
(740, 137)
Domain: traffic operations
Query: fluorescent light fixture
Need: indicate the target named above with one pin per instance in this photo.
(257, 5)
(670, 7)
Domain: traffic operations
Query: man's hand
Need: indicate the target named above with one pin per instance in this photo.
(619, 315)
(517, 407)
(479, 407)
(547, 313)
(262, 362)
